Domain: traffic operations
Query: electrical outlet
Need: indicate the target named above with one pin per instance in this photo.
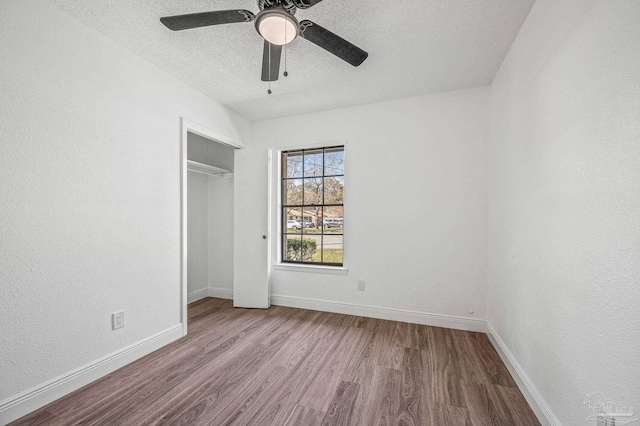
(360, 285)
(117, 319)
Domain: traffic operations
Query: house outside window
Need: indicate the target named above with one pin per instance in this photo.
(312, 208)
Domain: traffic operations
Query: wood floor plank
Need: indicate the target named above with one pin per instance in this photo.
(443, 414)
(388, 346)
(517, 405)
(341, 407)
(228, 407)
(442, 364)
(39, 418)
(485, 405)
(206, 306)
(418, 336)
(384, 400)
(319, 394)
(305, 416)
(470, 367)
(366, 322)
(302, 341)
(297, 367)
(276, 409)
(414, 391)
(488, 356)
(363, 357)
(365, 392)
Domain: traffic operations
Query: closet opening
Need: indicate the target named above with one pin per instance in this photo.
(207, 217)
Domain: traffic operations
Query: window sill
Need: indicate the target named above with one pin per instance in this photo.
(336, 270)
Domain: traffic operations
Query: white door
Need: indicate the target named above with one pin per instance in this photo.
(251, 238)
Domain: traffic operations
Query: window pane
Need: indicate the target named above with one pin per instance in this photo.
(332, 249)
(297, 249)
(333, 190)
(312, 231)
(292, 192)
(312, 218)
(292, 248)
(334, 161)
(313, 191)
(292, 164)
(313, 163)
(332, 220)
(312, 244)
(291, 220)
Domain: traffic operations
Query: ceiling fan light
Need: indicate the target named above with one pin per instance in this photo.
(277, 26)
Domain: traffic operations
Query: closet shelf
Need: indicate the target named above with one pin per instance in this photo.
(194, 166)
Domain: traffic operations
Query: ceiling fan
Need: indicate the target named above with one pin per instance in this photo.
(278, 26)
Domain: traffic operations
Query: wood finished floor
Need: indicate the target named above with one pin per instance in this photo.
(288, 366)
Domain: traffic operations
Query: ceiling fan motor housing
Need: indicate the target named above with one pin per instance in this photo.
(288, 5)
(277, 25)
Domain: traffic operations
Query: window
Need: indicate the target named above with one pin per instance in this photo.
(312, 206)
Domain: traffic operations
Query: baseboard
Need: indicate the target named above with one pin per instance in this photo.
(536, 401)
(24, 403)
(426, 318)
(197, 295)
(221, 293)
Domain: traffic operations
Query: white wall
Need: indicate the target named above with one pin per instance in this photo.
(197, 233)
(415, 201)
(221, 233)
(206, 151)
(90, 190)
(564, 186)
(210, 235)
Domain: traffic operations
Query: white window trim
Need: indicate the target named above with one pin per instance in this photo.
(276, 222)
(320, 269)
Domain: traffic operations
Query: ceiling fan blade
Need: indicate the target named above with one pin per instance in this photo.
(204, 19)
(271, 61)
(305, 4)
(332, 43)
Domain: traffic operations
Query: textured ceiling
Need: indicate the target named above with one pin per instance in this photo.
(415, 47)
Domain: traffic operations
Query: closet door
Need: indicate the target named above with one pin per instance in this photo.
(251, 238)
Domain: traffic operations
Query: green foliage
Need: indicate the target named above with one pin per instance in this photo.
(301, 250)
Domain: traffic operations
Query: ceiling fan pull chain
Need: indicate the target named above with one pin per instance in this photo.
(269, 91)
(286, 73)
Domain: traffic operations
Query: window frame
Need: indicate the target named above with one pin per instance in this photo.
(280, 217)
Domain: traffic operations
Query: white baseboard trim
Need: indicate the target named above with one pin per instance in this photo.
(197, 295)
(30, 400)
(221, 293)
(426, 318)
(534, 398)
